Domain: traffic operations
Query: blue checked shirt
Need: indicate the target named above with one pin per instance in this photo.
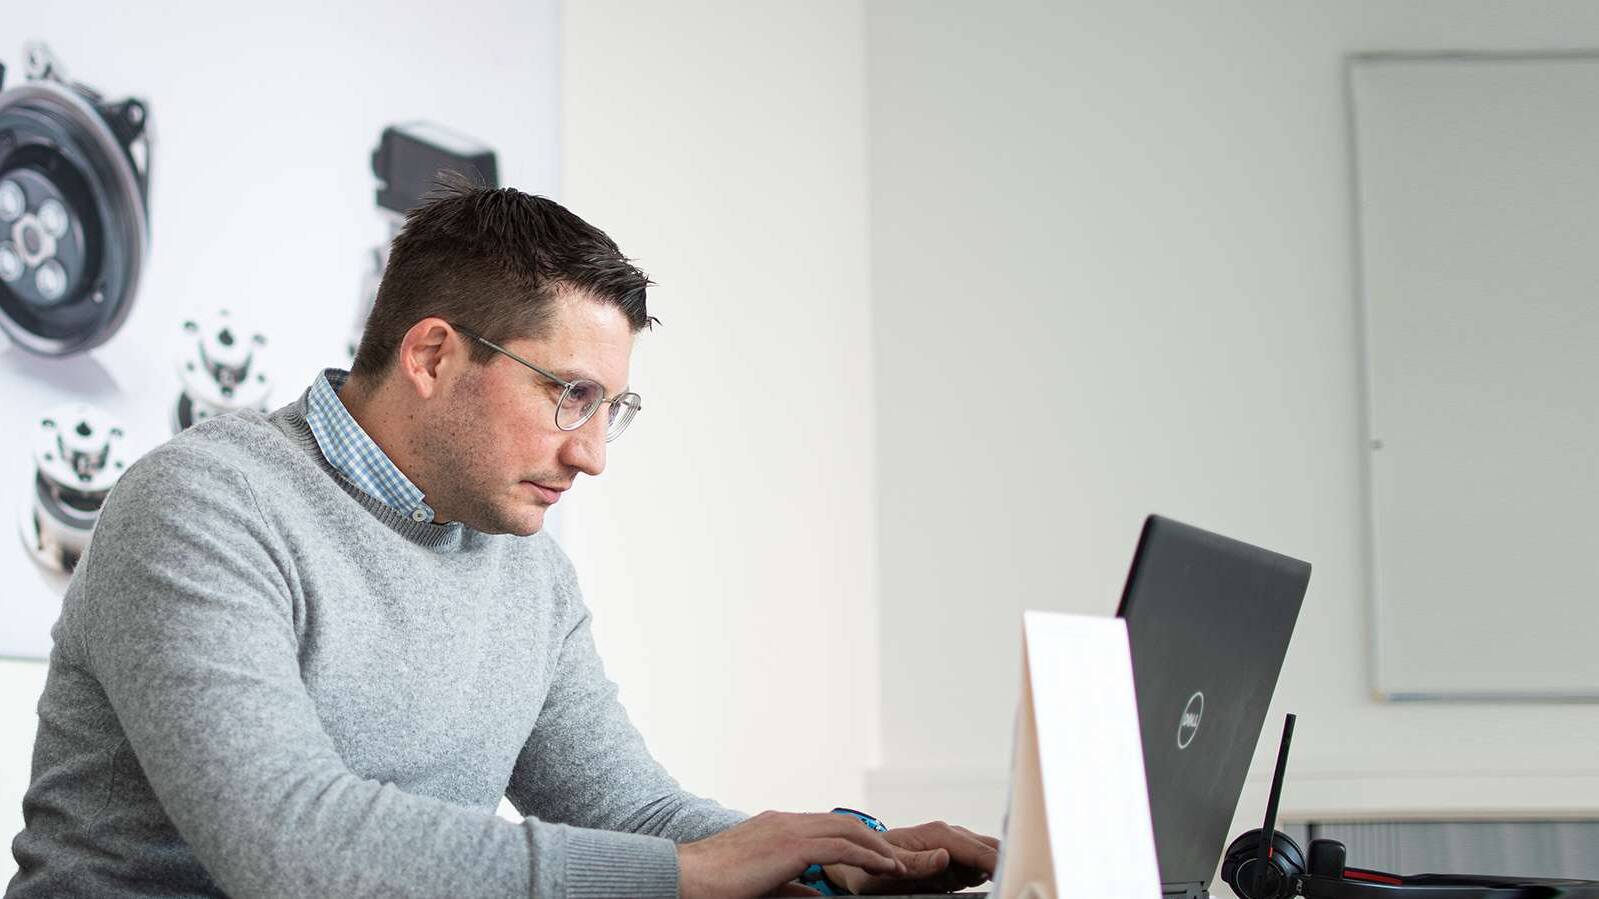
(349, 449)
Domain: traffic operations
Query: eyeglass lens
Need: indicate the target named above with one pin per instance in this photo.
(582, 399)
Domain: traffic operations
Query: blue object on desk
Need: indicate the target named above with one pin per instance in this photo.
(817, 879)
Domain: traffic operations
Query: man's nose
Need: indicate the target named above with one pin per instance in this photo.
(584, 449)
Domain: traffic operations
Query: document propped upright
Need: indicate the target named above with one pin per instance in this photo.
(1078, 824)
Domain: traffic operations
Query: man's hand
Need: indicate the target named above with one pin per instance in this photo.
(938, 857)
(760, 856)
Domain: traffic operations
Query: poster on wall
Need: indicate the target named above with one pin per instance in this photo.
(184, 234)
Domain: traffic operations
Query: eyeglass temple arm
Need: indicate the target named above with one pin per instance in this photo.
(552, 376)
(500, 349)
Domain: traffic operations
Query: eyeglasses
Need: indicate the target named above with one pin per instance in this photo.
(580, 399)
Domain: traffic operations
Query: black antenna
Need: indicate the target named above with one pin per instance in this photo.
(1269, 829)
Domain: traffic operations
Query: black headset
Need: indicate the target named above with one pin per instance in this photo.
(1276, 868)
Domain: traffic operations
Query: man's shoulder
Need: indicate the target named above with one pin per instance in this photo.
(234, 450)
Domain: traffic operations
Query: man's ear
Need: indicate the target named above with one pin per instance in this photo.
(428, 354)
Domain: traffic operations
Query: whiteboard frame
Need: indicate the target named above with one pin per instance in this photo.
(1370, 441)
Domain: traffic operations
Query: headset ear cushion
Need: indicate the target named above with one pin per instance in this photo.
(1327, 858)
(1276, 881)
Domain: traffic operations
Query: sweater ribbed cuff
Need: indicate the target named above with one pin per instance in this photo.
(605, 863)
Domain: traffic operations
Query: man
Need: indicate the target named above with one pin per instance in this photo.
(306, 653)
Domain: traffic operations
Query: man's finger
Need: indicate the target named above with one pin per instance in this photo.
(837, 850)
(966, 848)
(924, 863)
(849, 828)
(987, 840)
(968, 877)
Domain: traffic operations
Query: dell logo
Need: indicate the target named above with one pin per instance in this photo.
(1188, 724)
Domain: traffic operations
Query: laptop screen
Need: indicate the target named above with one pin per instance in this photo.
(1208, 620)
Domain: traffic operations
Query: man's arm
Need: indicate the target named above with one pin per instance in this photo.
(188, 624)
(585, 763)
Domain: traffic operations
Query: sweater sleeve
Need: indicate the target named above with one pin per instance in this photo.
(189, 627)
(586, 764)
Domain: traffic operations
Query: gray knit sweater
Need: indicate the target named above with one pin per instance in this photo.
(267, 683)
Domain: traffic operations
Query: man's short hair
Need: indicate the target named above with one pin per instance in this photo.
(493, 261)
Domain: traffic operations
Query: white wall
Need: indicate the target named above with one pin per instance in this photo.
(728, 549)
(1113, 274)
(20, 686)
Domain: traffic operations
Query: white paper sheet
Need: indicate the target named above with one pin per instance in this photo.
(1078, 824)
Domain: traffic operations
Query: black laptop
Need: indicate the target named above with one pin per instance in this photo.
(1208, 624)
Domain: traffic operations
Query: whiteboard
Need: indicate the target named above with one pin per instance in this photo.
(1477, 204)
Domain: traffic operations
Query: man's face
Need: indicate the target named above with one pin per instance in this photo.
(498, 459)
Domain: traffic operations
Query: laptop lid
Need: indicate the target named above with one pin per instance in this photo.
(1208, 621)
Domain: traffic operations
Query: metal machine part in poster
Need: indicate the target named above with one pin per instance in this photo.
(406, 163)
(187, 235)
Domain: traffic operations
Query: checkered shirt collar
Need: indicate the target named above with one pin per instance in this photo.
(349, 449)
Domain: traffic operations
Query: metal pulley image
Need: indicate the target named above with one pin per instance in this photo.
(74, 209)
(79, 452)
(221, 370)
(407, 162)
